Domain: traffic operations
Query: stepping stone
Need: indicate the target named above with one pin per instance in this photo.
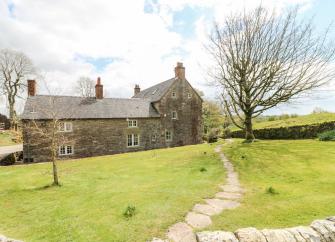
(181, 232)
(219, 236)
(232, 181)
(231, 188)
(222, 204)
(206, 209)
(197, 220)
(228, 195)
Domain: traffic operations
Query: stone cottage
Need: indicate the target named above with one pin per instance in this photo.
(165, 115)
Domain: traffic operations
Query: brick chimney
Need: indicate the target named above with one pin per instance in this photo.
(99, 89)
(31, 88)
(137, 89)
(179, 70)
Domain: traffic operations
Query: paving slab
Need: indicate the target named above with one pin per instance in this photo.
(222, 204)
(197, 220)
(229, 195)
(181, 232)
(206, 209)
(232, 188)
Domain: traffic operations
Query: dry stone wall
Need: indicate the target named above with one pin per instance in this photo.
(318, 231)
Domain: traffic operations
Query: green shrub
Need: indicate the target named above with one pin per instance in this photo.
(203, 169)
(271, 191)
(129, 212)
(327, 136)
(213, 135)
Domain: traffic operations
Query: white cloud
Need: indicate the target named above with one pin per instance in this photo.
(144, 47)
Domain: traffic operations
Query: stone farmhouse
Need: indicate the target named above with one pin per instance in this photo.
(165, 115)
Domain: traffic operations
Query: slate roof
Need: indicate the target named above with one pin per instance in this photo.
(69, 107)
(156, 92)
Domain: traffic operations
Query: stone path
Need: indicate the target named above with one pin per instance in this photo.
(200, 216)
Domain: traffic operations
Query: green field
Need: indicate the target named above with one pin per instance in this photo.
(162, 184)
(302, 173)
(6, 138)
(296, 121)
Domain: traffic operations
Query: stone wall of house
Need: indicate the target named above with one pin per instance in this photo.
(319, 230)
(187, 128)
(93, 138)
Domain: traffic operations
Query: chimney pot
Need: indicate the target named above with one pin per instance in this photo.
(31, 88)
(179, 71)
(137, 89)
(99, 89)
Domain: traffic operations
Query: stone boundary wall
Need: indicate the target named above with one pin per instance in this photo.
(293, 132)
(318, 231)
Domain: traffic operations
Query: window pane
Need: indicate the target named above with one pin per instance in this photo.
(135, 139)
(168, 135)
(62, 150)
(69, 149)
(68, 126)
(134, 123)
(130, 142)
(61, 126)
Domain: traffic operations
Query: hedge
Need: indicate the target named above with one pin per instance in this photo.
(293, 132)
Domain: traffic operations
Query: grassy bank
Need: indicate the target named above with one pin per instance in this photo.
(162, 185)
(301, 174)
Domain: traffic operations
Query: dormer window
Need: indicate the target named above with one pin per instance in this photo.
(174, 95)
(65, 127)
(132, 123)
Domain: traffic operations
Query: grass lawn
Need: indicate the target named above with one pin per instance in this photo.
(300, 120)
(6, 138)
(162, 184)
(302, 172)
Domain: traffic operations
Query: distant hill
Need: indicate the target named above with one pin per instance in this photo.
(286, 120)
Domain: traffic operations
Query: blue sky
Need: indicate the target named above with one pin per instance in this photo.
(134, 42)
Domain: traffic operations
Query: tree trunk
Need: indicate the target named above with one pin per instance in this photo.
(55, 173)
(54, 165)
(249, 134)
(12, 115)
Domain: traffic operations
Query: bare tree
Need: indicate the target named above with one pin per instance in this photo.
(262, 59)
(14, 68)
(48, 125)
(85, 87)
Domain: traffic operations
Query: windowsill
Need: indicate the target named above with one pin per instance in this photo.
(133, 146)
(65, 131)
(65, 154)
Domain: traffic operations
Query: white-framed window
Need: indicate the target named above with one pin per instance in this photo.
(65, 150)
(133, 140)
(189, 95)
(65, 127)
(174, 94)
(168, 135)
(174, 115)
(153, 138)
(132, 123)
